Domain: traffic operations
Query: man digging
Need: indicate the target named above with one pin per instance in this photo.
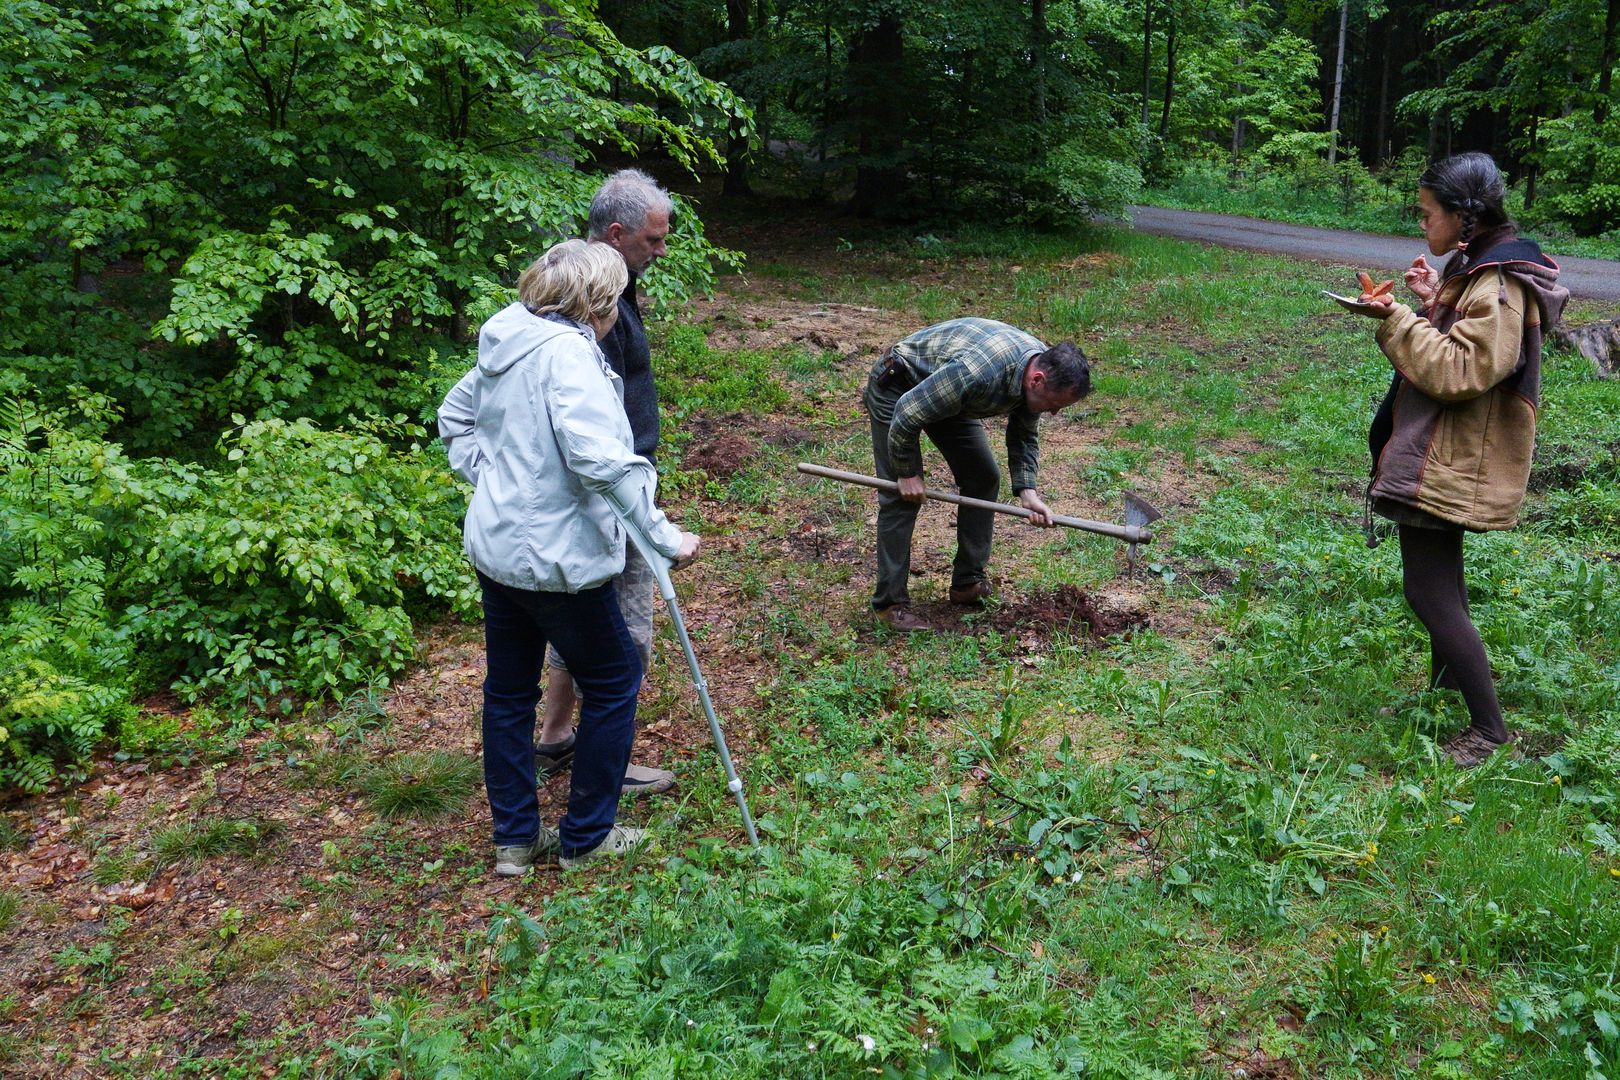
(942, 381)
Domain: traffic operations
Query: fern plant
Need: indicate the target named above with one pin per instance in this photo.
(63, 502)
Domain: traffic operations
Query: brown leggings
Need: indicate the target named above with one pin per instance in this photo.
(1432, 576)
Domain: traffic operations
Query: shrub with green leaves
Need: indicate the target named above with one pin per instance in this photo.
(309, 198)
(290, 573)
(285, 576)
(65, 517)
(1583, 160)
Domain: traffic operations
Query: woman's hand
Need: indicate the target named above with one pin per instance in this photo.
(688, 551)
(1423, 280)
(1379, 298)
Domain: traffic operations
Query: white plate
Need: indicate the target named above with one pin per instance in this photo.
(1350, 303)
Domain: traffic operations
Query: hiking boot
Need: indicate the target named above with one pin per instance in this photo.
(551, 758)
(643, 780)
(1471, 747)
(973, 595)
(902, 619)
(518, 859)
(620, 840)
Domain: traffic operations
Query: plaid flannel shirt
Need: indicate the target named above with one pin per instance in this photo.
(972, 368)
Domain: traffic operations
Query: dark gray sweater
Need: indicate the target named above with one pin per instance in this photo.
(628, 354)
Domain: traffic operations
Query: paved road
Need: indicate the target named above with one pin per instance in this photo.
(1597, 279)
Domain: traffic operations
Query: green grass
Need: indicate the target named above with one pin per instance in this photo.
(13, 837)
(1231, 839)
(420, 784)
(206, 837)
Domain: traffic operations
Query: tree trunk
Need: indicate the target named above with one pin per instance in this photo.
(1338, 84)
(878, 107)
(1531, 159)
(736, 182)
(826, 102)
(1611, 30)
(1169, 69)
(1381, 152)
(1237, 118)
(1147, 62)
(1037, 35)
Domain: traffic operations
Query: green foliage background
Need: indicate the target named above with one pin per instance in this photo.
(242, 250)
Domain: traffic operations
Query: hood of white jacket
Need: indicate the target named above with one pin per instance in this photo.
(514, 332)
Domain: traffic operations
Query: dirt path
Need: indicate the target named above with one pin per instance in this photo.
(1595, 279)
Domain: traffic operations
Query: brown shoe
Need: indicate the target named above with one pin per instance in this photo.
(901, 618)
(1471, 747)
(973, 595)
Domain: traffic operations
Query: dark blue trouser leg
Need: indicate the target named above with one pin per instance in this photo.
(606, 665)
(514, 649)
(588, 631)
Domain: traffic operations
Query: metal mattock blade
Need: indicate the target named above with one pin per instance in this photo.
(1138, 512)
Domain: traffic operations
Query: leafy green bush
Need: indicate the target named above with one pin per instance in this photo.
(1583, 168)
(309, 199)
(287, 575)
(65, 511)
(291, 574)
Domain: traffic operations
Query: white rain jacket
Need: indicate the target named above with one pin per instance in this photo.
(538, 428)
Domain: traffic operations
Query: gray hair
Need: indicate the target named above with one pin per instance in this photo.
(626, 197)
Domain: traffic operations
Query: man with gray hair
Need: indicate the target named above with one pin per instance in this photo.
(631, 214)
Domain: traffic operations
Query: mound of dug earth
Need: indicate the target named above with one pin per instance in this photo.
(722, 446)
(1066, 611)
(722, 456)
(1041, 617)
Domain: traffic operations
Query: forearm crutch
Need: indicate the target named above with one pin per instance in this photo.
(661, 564)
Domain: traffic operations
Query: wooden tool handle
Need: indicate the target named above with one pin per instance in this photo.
(1131, 534)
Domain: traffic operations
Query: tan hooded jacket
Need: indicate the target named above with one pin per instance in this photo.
(1461, 413)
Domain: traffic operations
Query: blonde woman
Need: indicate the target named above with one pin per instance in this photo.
(550, 446)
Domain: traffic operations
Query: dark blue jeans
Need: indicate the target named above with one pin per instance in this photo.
(588, 631)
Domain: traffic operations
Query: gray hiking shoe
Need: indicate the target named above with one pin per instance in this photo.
(642, 780)
(1472, 746)
(620, 840)
(552, 759)
(519, 859)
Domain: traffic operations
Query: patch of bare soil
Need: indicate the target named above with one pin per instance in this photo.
(1259, 1065)
(1064, 613)
(722, 446)
(757, 322)
(143, 970)
(1095, 261)
(812, 543)
(721, 457)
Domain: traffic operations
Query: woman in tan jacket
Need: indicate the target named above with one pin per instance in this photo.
(1452, 440)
